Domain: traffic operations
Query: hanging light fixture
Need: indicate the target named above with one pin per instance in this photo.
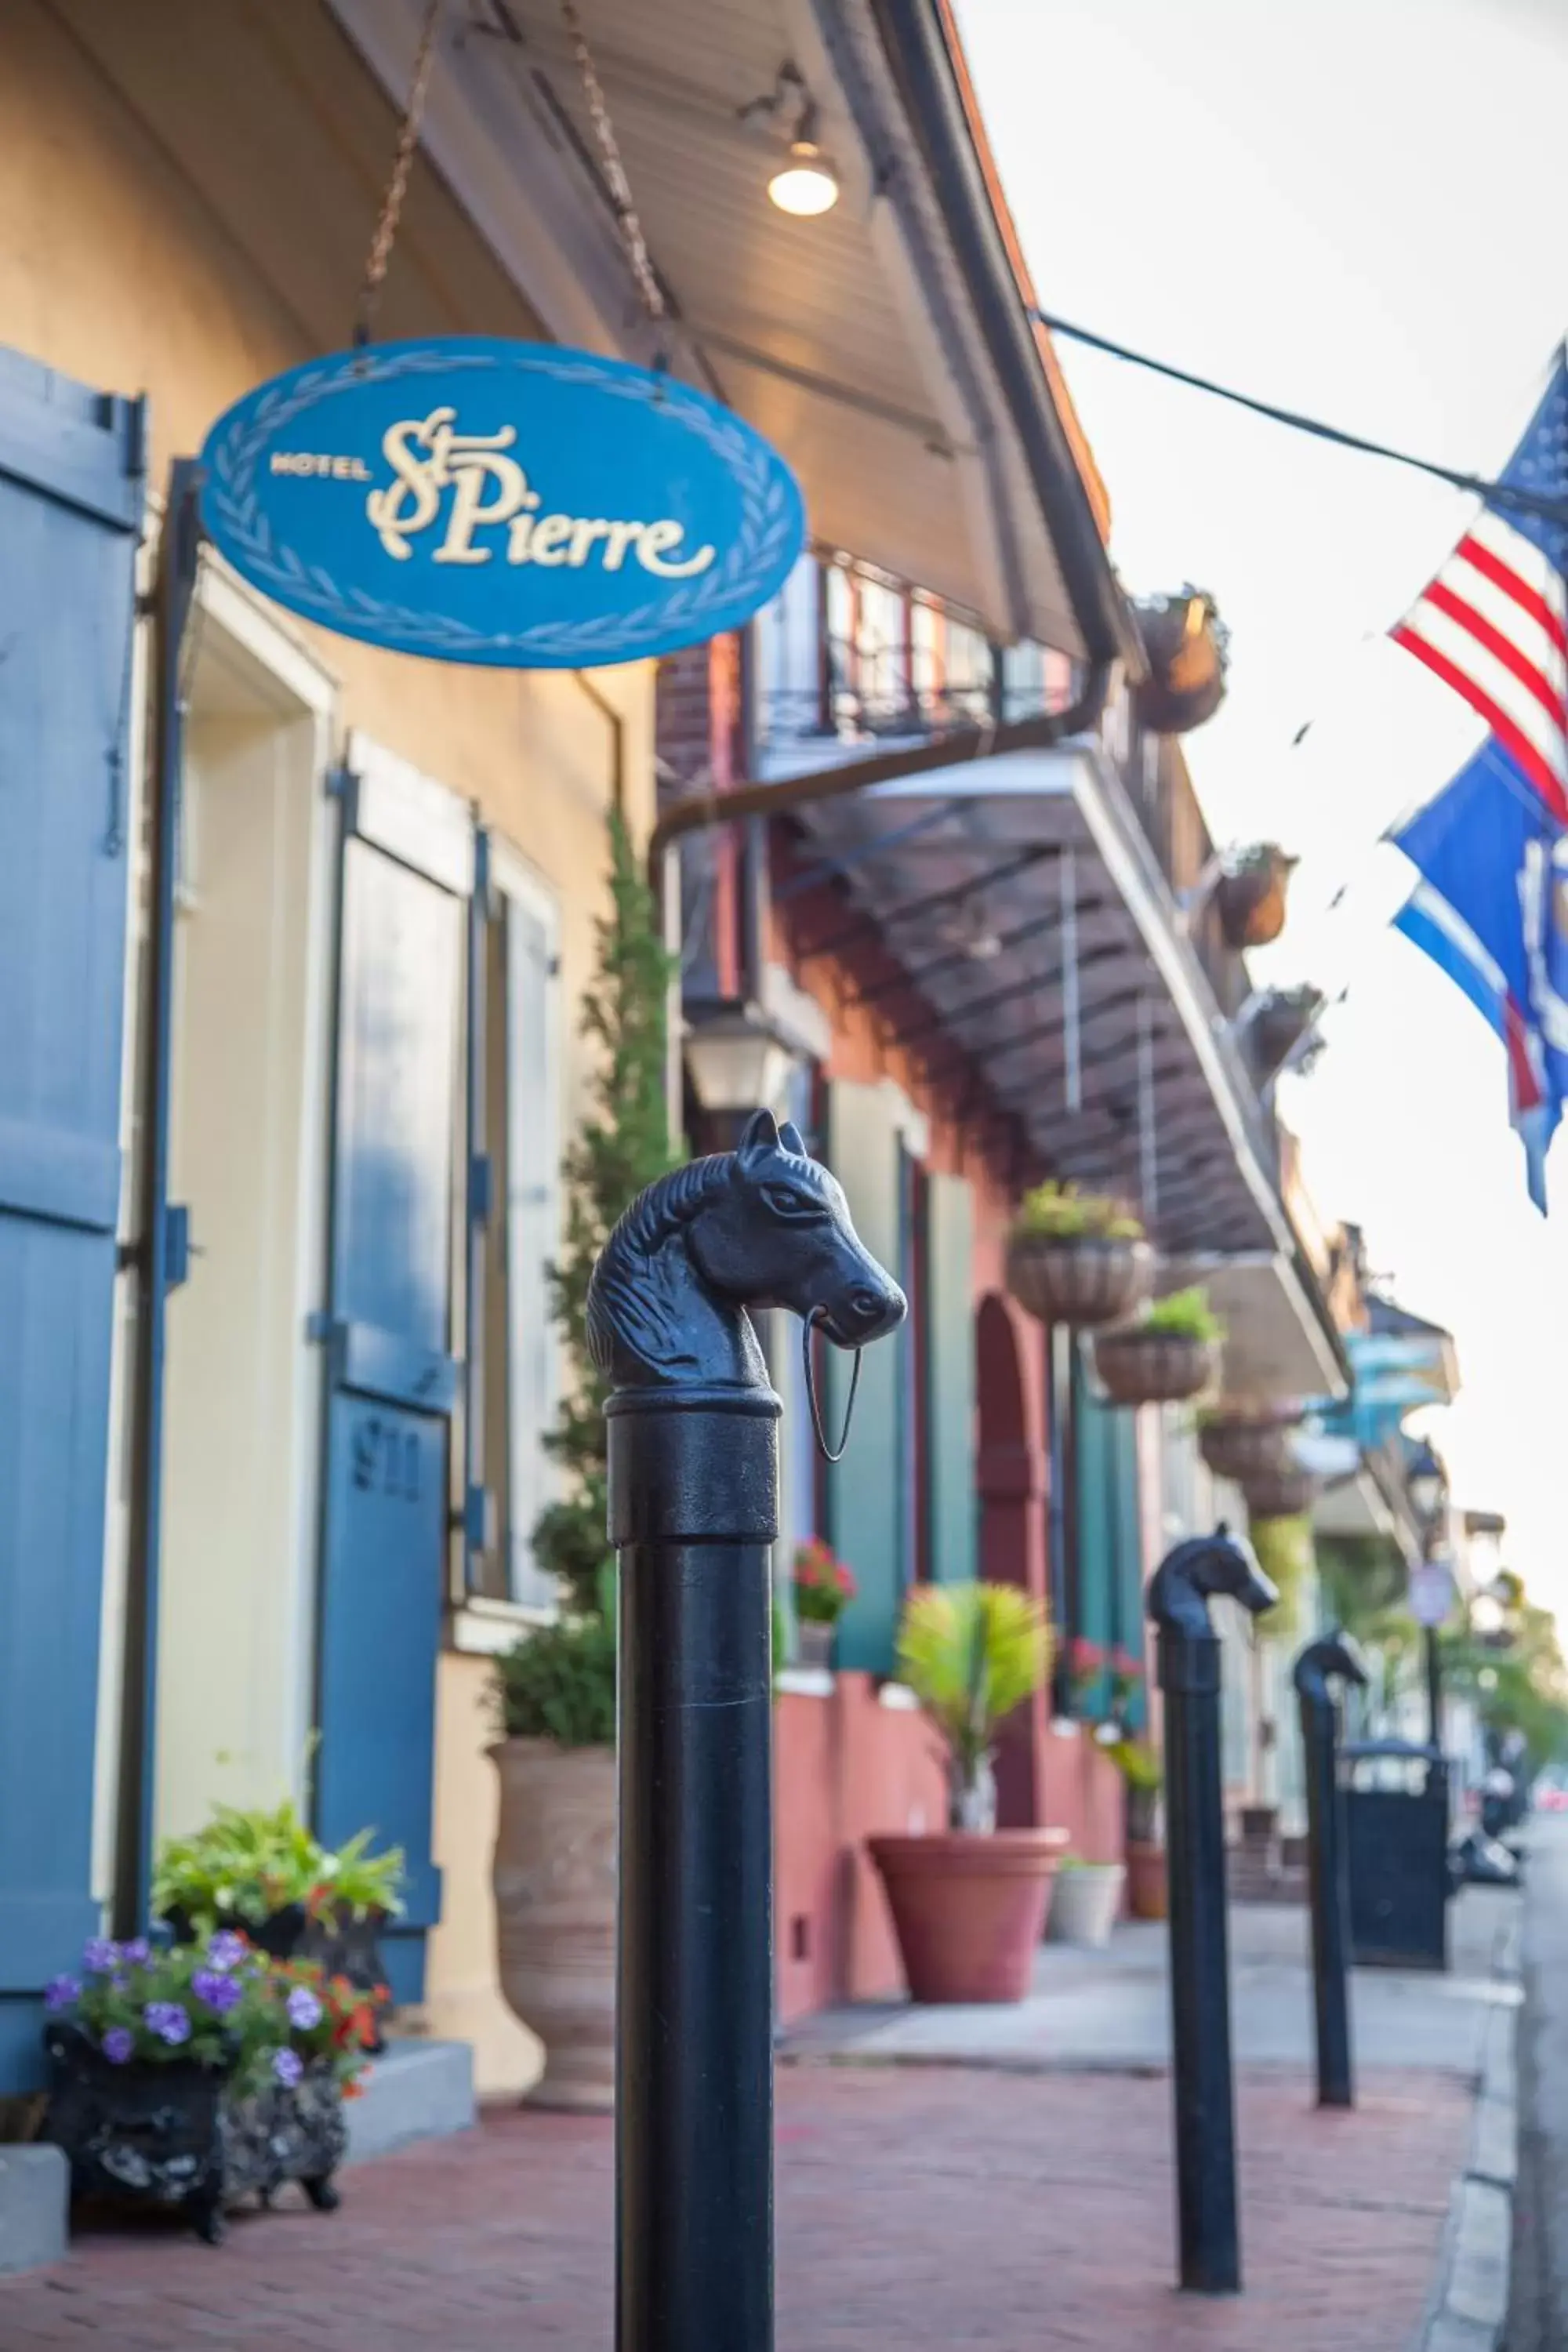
(805, 186)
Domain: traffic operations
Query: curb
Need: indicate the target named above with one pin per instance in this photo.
(1469, 2309)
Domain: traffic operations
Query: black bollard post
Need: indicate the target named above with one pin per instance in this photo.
(693, 1486)
(1189, 1671)
(1333, 1658)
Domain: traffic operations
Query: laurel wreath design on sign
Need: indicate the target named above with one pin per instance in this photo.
(766, 514)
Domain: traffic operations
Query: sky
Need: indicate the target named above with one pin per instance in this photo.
(1357, 209)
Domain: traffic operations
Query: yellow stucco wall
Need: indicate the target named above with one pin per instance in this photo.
(186, 192)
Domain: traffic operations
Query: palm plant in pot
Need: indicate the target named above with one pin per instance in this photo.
(553, 1694)
(968, 1904)
(1075, 1257)
(1170, 1352)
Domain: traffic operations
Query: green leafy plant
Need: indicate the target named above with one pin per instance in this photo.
(1284, 1553)
(621, 1145)
(242, 1866)
(558, 1682)
(970, 1653)
(1144, 1775)
(1054, 1212)
(1183, 1314)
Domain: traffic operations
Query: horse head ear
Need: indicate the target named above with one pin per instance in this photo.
(762, 1133)
(792, 1141)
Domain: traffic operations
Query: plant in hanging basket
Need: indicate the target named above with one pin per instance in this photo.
(1286, 1493)
(1169, 1353)
(1078, 1258)
(1242, 1442)
(1250, 894)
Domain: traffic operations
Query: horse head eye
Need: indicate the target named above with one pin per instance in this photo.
(784, 1202)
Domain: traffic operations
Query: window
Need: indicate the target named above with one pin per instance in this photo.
(519, 1351)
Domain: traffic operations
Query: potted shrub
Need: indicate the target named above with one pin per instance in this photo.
(1085, 1898)
(554, 1702)
(822, 1588)
(968, 1904)
(554, 1695)
(1247, 1441)
(1142, 1777)
(1076, 1257)
(266, 1875)
(187, 2076)
(1170, 1352)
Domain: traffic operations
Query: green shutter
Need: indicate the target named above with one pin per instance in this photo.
(1130, 1547)
(949, 1379)
(1094, 1426)
(863, 1513)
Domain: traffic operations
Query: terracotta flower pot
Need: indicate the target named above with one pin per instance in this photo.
(1085, 1901)
(968, 1909)
(555, 1912)
(1083, 1281)
(1148, 1880)
(1139, 1367)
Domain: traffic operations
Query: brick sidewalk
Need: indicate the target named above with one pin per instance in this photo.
(918, 2207)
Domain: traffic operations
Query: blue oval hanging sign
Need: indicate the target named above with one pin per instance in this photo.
(511, 503)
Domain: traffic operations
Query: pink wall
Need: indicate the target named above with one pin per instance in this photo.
(846, 1768)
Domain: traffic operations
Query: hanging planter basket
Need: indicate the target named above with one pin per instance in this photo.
(1284, 1494)
(1250, 897)
(1186, 647)
(1136, 1366)
(1251, 1445)
(1083, 1280)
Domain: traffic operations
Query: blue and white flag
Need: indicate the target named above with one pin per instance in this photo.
(1492, 906)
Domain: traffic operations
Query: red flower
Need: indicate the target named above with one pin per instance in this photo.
(1085, 1657)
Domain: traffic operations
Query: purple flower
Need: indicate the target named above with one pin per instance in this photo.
(288, 2066)
(100, 1956)
(61, 1992)
(304, 2008)
(117, 2045)
(136, 1953)
(169, 2021)
(220, 1994)
(226, 1951)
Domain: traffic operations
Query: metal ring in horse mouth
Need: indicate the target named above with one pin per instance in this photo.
(809, 1322)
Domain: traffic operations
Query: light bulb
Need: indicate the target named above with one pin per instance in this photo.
(805, 186)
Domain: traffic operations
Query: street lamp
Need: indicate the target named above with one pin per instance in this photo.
(1426, 1484)
(739, 1063)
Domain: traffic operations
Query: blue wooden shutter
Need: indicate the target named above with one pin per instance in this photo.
(407, 873)
(952, 1434)
(863, 1519)
(71, 506)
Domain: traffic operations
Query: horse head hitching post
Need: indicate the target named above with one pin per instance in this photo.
(1333, 1658)
(693, 1510)
(1189, 1666)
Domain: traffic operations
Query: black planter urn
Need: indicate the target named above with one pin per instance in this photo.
(173, 2134)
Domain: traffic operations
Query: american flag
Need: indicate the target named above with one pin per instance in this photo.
(1492, 624)
(1492, 906)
